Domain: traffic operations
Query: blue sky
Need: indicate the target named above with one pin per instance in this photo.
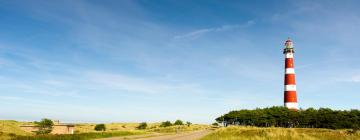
(144, 60)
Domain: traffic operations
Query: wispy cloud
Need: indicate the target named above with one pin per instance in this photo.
(10, 98)
(355, 78)
(140, 85)
(197, 33)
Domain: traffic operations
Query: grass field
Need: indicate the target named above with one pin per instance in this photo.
(174, 129)
(80, 136)
(254, 133)
(84, 131)
(10, 128)
(152, 127)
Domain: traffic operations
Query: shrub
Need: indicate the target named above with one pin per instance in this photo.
(215, 124)
(178, 122)
(188, 123)
(142, 125)
(166, 124)
(12, 134)
(100, 127)
(45, 126)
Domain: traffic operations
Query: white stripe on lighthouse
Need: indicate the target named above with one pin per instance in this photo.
(289, 55)
(290, 87)
(292, 105)
(289, 71)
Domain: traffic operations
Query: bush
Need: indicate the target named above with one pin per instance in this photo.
(215, 124)
(45, 126)
(188, 123)
(178, 122)
(142, 125)
(12, 134)
(166, 124)
(100, 127)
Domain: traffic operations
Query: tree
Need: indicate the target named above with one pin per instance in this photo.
(45, 126)
(215, 124)
(188, 123)
(142, 125)
(282, 117)
(165, 124)
(178, 122)
(100, 127)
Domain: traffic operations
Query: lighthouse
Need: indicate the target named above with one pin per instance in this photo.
(290, 97)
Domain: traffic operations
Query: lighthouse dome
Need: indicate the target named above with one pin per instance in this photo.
(288, 43)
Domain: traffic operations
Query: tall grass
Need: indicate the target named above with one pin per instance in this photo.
(9, 128)
(254, 133)
(178, 128)
(85, 131)
(81, 136)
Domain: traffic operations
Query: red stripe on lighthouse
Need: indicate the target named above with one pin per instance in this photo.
(290, 79)
(289, 62)
(290, 96)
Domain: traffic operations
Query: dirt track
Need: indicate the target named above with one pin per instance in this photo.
(182, 136)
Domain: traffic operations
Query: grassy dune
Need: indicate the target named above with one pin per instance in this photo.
(10, 128)
(89, 127)
(254, 133)
(182, 128)
(80, 136)
(85, 131)
(152, 127)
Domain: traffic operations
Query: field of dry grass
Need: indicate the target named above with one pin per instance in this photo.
(11, 128)
(152, 127)
(255, 133)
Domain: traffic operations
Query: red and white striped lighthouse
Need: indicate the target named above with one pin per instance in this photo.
(290, 97)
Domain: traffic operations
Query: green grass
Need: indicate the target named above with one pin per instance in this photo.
(89, 127)
(9, 128)
(80, 136)
(152, 127)
(255, 133)
(178, 128)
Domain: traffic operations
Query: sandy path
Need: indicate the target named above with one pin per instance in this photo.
(182, 136)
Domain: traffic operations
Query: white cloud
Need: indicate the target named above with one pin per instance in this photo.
(10, 98)
(143, 85)
(245, 68)
(355, 78)
(197, 33)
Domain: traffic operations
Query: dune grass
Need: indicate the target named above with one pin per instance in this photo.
(152, 127)
(84, 131)
(9, 128)
(80, 136)
(254, 133)
(178, 128)
(89, 127)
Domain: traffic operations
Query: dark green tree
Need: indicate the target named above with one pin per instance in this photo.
(45, 126)
(142, 125)
(215, 124)
(100, 127)
(178, 122)
(165, 124)
(282, 117)
(188, 123)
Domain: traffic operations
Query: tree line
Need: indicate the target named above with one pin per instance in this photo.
(282, 117)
